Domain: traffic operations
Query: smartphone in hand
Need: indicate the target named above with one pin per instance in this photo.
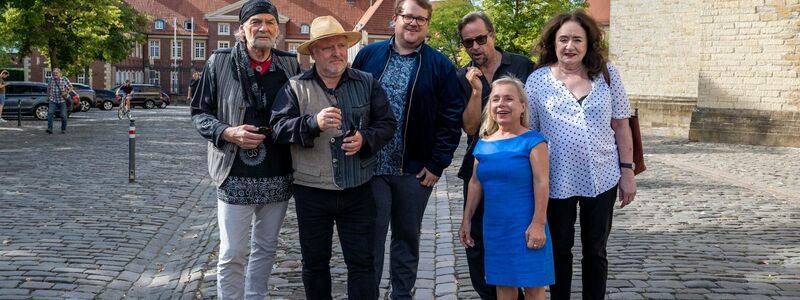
(264, 130)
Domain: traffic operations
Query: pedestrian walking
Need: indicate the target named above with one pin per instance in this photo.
(336, 119)
(488, 63)
(579, 104)
(424, 94)
(193, 85)
(58, 91)
(230, 109)
(517, 243)
(3, 84)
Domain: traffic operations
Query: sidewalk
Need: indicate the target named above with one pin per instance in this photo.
(710, 221)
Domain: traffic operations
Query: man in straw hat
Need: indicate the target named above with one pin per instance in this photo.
(230, 108)
(336, 119)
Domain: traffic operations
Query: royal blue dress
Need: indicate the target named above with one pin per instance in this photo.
(504, 171)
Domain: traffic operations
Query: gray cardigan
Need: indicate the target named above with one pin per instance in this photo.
(219, 104)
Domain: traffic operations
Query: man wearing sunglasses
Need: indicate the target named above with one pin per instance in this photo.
(488, 63)
(425, 97)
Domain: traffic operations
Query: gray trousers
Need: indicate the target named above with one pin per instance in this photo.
(235, 239)
(400, 202)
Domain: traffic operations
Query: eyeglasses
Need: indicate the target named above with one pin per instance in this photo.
(409, 18)
(481, 40)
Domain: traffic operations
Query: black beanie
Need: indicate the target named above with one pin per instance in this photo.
(254, 7)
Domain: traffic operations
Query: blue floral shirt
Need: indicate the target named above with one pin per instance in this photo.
(395, 82)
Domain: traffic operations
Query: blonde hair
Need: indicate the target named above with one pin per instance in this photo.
(489, 126)
(4, 72)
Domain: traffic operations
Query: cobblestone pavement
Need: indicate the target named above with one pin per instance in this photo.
(711, 221)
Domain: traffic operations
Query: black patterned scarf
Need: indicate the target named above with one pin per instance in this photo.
(253, 96)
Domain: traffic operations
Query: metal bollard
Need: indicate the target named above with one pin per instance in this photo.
(132, 152)
(19, 112)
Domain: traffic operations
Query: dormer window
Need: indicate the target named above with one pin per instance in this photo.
(305, 29)
(159, 24)
(188, 26)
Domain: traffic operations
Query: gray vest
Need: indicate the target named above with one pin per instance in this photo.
(325, 166)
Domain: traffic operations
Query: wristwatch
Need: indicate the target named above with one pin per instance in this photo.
(627, 165)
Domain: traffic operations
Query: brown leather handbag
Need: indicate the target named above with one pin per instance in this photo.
(636, 134)
(636, 137)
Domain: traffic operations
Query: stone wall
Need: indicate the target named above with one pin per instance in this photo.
(737, 60)
(750, 55)
(655, 46)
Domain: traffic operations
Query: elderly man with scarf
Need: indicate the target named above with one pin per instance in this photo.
(231, 109)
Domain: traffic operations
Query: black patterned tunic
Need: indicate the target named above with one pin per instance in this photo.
(264, 174)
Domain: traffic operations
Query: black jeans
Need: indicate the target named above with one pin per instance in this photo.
(353, 212)
(475, 254)
(401, 202)
(596, 216)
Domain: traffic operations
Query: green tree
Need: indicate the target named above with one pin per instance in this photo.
(71, 34)
(444, 29)
(518, 23)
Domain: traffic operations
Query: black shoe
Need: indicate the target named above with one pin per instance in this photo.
(49, 131)
(63, 131)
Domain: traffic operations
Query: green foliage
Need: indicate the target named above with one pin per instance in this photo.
(71, 34)
(518, 23)
(444, 29)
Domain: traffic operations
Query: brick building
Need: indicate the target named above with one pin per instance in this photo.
(171, 53)
(723, 70)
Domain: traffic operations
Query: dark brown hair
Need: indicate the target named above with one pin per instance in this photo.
(474, 16)
(596, 49)
(426, 4)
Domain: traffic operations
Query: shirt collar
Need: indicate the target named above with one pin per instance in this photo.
(391, 46)
(349, 74)
(505, 58)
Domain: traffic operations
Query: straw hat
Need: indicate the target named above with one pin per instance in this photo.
(327, 26)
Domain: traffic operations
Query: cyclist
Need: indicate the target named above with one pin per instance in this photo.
(125, 92)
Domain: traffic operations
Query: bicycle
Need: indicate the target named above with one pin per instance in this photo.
(124, 111)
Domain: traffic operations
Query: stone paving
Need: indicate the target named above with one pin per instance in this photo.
(711, 221)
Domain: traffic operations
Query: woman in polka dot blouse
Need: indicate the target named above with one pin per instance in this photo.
(578, 103)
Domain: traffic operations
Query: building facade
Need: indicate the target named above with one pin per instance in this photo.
(183, 34)
(722, 70)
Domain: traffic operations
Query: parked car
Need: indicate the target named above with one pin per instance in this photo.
(166, 100)
(34, 98)
(145, 95)
(87, 96)
(106, 100)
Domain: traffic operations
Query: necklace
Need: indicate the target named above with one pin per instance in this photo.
(263, 66)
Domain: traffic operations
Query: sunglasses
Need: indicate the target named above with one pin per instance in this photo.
(481, 40)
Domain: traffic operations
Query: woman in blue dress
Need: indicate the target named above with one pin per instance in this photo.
(519, 253)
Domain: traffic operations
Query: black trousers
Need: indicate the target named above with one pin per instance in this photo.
(353, 212)
(475, 254)
(596, 214)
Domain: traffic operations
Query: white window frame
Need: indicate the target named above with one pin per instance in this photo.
(199, 50)
(223, 28)
(173, 82)
(155, 77)
(293, 47)
(305, 28)
(81, 77)
(154, 45)
(226, 43)
(159, 24)
(188, 25)
(48, 75)
(177, 49)
(137, 51)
